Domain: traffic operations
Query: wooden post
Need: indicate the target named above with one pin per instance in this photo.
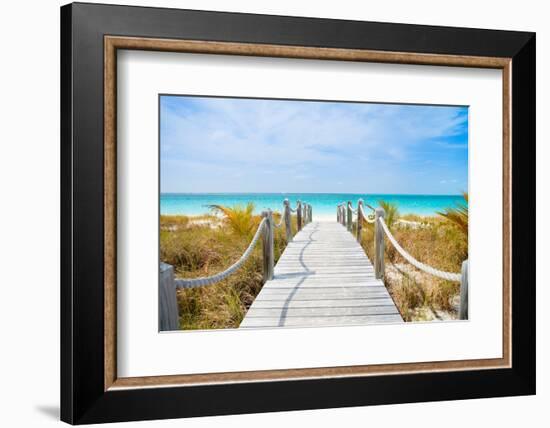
(338, 214)
(288, 221)
(350, 217)
(379, 244)
(310, 213)
(463, 310)
(299, 215)
(168, 303)
(267, 245)
(359, 219)
(343, 214)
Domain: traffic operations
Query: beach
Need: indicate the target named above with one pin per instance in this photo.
(205, 244)
(324, 204)
(225, 162)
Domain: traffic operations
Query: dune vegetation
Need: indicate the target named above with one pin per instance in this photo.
(205, 245)
(440, 241)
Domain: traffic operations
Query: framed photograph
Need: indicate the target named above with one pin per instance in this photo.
(265, 213)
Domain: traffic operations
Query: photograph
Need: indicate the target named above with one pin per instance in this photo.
(311, 213)
(282, 210)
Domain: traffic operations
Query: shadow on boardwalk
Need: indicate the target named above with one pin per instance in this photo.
(323, 278)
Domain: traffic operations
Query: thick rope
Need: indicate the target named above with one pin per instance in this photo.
(368, 218)
(423, 267)
(350, 206)
(282, 220)
(209, 280)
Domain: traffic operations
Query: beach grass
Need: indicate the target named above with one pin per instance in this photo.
(435, 241)
(204, 245)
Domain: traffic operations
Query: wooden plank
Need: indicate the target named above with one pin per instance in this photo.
(292, 277)
(319, 321)
(312, 282)
(325, 272)
(266, 304)
(324, 311)
(323, 278)
(319, 294)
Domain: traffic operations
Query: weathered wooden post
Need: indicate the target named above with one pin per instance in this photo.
(338, 213)
(343, 211)
(288, 221)
(359, 219)
(267, 246)
(310, 213)
(299, 215)
(463, 310)
(350, 217)
(168, 303)
(343, 215)
(379, 243)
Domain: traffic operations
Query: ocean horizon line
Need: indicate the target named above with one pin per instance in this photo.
(312, 193)
(322, 203)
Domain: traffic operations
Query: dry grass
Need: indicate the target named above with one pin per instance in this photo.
(438, 243)
(202, 248)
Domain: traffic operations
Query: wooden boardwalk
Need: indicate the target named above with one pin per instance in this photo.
(323, 278)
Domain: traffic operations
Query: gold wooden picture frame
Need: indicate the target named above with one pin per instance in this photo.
(114, 43)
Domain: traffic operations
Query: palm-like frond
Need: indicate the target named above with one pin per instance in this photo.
(458, 215)
(239, 218)
(391, 212)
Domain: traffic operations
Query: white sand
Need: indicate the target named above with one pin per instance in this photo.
(324, 218)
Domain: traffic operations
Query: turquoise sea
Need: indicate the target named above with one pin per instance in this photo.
(324, 204)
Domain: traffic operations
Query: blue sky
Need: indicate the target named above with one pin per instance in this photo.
(249, 145)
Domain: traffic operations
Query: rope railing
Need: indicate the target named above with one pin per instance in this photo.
(369, 218)
(281, 222)
(304, 214)
(168, 307)
(209, 280)
(344, 215)
(419, 265)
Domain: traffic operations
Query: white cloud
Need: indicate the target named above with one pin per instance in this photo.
(320, 140)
